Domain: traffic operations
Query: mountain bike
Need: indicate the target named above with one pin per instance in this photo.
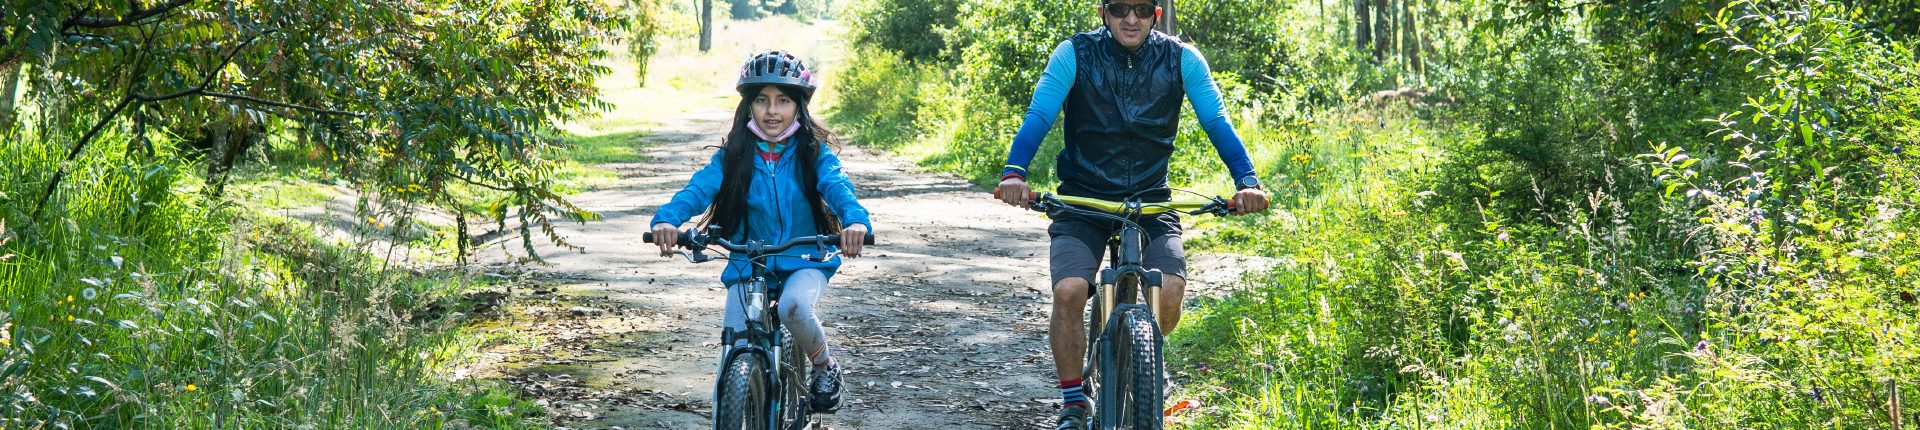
(1125, 366)
(762, 382)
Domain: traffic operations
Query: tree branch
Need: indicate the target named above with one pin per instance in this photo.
(138, 12)
(132, 97)
(252, 99)
(464, 178)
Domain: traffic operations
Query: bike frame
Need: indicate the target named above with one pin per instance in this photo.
(762, 340)
(762, 337)
(1125, 282)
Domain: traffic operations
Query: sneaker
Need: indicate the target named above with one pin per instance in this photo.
(825, 388)
(1073, 417)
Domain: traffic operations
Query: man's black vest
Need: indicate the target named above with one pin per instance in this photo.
(1122, 115)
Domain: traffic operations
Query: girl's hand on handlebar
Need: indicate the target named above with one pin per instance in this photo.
(1251, 200)
(851, 238)
(666, 236)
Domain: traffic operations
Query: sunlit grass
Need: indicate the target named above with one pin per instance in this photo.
(135, 301)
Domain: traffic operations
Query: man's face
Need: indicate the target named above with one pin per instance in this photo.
(1131, 28)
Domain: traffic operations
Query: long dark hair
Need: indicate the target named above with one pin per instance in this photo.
(729, 209)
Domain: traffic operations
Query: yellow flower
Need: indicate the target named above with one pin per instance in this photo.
(69, 298)
(69, 318)
(191, 387)
(1900, 271)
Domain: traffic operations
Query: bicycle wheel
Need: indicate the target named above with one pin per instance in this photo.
(795, 405)
(1134, 399)
(744, 396)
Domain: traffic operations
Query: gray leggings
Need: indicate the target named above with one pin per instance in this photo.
(801, 291)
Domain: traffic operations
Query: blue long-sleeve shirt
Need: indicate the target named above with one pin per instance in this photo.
(1195, 77)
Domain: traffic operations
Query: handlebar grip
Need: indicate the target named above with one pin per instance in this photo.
(868, 240)
(686, 239)
(1031, 194)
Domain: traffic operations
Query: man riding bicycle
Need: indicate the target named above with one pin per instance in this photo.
(1121, 87)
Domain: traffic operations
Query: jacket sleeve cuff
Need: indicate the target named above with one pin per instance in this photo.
(1012, 171)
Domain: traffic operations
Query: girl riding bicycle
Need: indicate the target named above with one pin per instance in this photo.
(776, 178)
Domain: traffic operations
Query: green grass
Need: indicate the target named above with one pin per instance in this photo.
(136, 302)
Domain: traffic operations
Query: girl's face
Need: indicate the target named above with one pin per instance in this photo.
(773, 110)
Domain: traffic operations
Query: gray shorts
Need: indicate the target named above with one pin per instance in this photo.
(1080, 243)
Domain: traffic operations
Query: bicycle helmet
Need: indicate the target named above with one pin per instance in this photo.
(776, 68)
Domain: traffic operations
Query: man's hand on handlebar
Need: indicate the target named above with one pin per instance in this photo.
(851, 239)
(666, 236)
(1251, 200)
(1014, 191)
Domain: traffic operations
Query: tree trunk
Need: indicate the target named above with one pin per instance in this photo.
(218, 159)
(1383, 29)
(1409, 38)
(9, 86)
(1362, 24)
(706, 25)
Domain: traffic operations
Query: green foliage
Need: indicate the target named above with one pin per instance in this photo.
(881, 97)
(407, 101)
(650, 24)
(142, 307)
(141, 295)
(916, 31)
(1484, 245)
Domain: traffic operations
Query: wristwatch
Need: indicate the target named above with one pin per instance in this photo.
(1249, 181)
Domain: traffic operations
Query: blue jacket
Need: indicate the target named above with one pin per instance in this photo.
(777, 210)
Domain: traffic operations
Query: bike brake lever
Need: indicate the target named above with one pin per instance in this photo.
(1220, 207)
(694, 257)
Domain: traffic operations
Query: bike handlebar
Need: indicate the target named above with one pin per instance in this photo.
(693, 239)
(1049, 202)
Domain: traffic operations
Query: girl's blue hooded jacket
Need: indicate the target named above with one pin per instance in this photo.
(777, 210)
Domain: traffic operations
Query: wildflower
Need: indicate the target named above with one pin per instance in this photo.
(69, 298)
(1900, 271)
(192, 388)
(69, 318)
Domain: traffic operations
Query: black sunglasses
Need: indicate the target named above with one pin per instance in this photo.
(1142, 11)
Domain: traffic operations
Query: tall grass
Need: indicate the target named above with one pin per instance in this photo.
(1498, 252)
(134, 302)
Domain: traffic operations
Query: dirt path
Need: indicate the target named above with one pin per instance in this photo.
(942, 325)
